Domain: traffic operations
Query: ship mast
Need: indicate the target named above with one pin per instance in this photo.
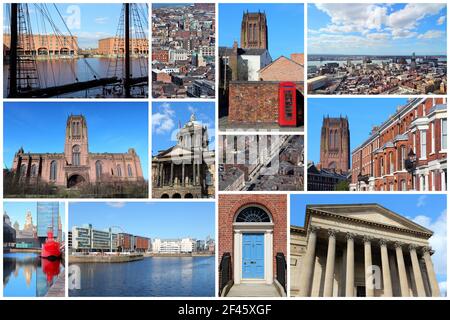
(13, 52)
(127, 51)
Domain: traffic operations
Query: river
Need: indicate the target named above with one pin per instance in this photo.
(150, 277)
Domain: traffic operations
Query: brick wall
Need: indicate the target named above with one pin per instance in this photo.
(229, 205)
(257, 101)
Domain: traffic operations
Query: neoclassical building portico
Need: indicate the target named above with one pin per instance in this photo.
(360, 250)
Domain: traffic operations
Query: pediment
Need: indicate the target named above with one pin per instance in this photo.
(372, 213)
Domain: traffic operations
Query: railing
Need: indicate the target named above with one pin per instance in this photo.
(281, 269)
(224, 271)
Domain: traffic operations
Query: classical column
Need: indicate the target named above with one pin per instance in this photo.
(163, 178)
(435, 292)
(368, 266)
(182, 174)
(404, 288)
(171, 174)
(350, 272)
(308, 263)
(158, 177)
(387, 282)
(416, 270)
(193, 173)
(329, 269)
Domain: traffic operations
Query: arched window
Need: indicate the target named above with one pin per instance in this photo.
(130, 171)
(253, 214)
(98, 169)
(23, 170)
(53, 168)
(119, 171)
(76, 155)
(381, 167)
(33, 170)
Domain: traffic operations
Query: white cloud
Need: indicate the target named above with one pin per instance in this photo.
(116, 205)
(441, 20)
(192, 109)
(403, 34)
(432, 34)
(412, 13)
(443, 288)
(378, 36)
(163, 121)
(421, 201)
(438, 240)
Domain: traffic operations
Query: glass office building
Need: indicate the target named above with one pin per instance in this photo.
(47, 216)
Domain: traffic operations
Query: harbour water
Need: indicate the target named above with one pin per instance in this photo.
(62, 71)
(150, 277)
(28, 275)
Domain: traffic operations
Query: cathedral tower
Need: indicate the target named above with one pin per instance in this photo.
(254, 31)
(76, 149)
(335, 144)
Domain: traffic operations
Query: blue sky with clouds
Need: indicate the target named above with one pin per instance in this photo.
(149, 219)
(378, 29)
(168, 116)
(429, 211)
(17, 211)
(90, 22)
(362, 113)
(40, 127)
(285, 24)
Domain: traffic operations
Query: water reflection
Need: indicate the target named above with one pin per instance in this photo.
(150, 277)
(64, 71)
(28, 275)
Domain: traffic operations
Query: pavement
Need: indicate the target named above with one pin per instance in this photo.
(224, 126)
(253, 290)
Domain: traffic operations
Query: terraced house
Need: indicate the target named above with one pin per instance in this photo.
(406, 152)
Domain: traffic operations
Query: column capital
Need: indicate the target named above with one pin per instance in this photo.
(427, 249)
(367, 239)
(412, 247)
(313, 229)
(332, 233)
(383, 242)
(350, 236)
(399, 244)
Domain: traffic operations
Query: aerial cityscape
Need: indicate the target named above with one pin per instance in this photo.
(261, 162)
(143, 248)
(377, 49)
(183, 50)
(80, 55)
(33, 249)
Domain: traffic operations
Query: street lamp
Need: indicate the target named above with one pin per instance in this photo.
(410, 165)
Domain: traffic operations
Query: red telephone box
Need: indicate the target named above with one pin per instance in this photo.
(287, 104)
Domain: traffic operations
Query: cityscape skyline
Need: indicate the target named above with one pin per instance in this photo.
(429, 211)
(374, 29)
(283, 23)
(18, 210)
(111, 214)
(106, 124)
(357, 118)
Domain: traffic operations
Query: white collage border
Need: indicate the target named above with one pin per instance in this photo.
(217, 132)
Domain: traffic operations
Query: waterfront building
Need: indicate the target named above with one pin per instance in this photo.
(406, 152)
(252, 243)
(173, 246)
(88, 239)
(362, 250)
(49, 45)
(185, 170)
(115, 46)
(47, 218)
(77, 166)
(335, 144)
(128, 242)
(9, 233)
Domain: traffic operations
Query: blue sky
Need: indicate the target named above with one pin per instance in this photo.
(378, 29)
(90, 22)
(167, 116)
(40, 127)
(17, 211)
(429, 211)
(150, 219)
(285, 24)
(361, 117)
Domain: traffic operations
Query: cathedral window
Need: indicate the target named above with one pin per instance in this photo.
(33, 170)
(53, 169)
(76, 155)
(130, 171)
(23, 170)
(119, 171)
(98, 169)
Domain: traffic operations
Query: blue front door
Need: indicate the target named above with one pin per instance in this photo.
(253, 256)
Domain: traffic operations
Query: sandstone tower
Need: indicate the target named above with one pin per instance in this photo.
(335, 144)
(254, 31)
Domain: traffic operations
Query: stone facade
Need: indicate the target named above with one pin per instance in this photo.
(185, 170)
(231, 229)
(257, 101)
(77, 166)
(254, 31)
(360, 250)
(335, 144)
(420, 126)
